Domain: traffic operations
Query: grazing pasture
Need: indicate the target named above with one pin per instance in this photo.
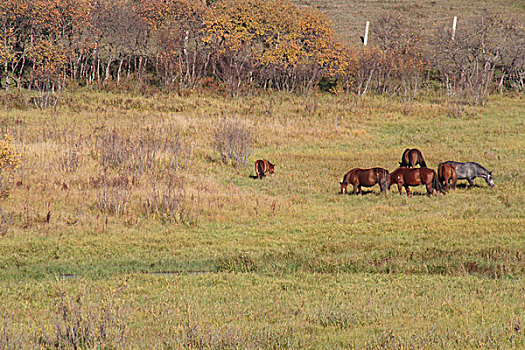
(125, 224)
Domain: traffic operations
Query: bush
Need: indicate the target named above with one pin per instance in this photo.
(87, 322)
(233, 141)
(168, 201)
(10, 159)
(113, 196)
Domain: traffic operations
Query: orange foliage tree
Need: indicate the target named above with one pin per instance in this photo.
(272, 41)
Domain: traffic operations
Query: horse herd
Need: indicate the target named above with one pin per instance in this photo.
(406, 175)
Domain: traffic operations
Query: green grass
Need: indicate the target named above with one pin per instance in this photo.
(285, 262)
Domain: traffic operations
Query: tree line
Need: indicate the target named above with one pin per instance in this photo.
(245, 44)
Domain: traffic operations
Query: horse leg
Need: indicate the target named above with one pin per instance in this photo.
(359, 191)
(430, 191)
(470, 182)
(355, 187)
(399, 188)
(408, 191)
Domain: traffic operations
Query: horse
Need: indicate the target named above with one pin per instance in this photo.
(447, 174)
(470, 170)
(405, 177)
(366, 178)
(412, 157)
(263, 167)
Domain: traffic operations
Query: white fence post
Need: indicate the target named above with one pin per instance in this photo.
(454, 27)
(365, 40)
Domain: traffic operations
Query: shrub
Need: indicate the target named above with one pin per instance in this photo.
(112, 149)
(233, 141)
(113, 196)
(84, 322)
(168, 201)
(10, 159)
(69, 160)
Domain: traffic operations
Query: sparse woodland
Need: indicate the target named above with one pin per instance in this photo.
(239, 45)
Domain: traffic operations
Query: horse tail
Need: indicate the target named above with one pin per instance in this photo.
(260, 170)
(436, 184)
(454, 175)
(452, 171)
(383, 179)
(440, 172)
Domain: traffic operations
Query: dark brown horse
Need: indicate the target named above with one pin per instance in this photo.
(263, 168)
(447, 174)
(405, 177)
(367, 178)
(412, 157)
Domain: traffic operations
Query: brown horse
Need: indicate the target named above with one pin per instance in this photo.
(365, 177)
(405, 177)
(447, 173)
(412, 157)
(263, 168)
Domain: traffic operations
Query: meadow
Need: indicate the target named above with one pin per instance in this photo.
(123, 227)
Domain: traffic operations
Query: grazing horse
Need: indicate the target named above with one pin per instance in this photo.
(412, 157)
(365, 177)
(447, 174)
(470, 170)
(405, 177)
(263, 168)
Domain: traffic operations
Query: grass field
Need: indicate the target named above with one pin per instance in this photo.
(285, 262)
(349, 17)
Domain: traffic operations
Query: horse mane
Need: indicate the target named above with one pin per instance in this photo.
(347, 176)
(481, 166)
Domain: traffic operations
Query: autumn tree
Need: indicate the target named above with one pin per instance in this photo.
(120, 33)
(176, 27)
(14, 37)
(273, 42)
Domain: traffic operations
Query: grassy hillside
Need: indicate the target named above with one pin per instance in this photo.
(349, 17)
(284, 262)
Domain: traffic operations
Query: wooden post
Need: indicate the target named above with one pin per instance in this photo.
(454, 22)
(365, 40)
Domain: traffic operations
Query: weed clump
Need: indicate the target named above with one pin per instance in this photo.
(10, 160)
(233, 141)
(81, 322)
(168, 201)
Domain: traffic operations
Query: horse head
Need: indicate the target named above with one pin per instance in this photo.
(271, 168)
(343, 187)
(490, 179)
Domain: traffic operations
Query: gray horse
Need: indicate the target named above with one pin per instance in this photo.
(469, 171)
